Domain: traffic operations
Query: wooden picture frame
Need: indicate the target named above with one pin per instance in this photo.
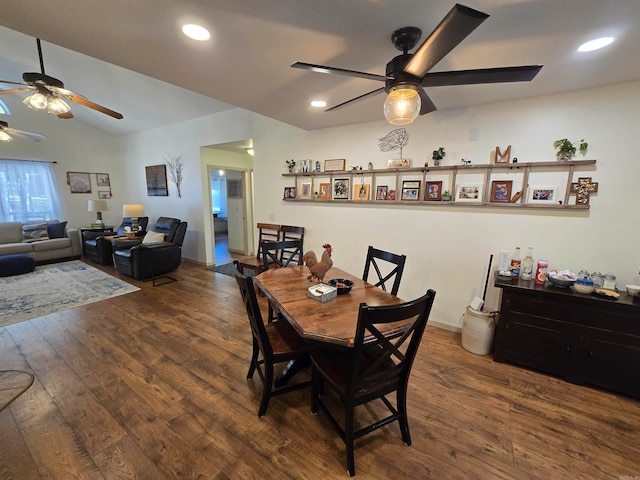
(289, 193)
(341, 189)
(381, 192)
(410, 190)
(104, 194)
(470, 192)
(399, 163)
(324, 193)
(102, 180)
(335, 165)
(361, 192)
(433, 191)
(501, 191)
(79, 182)
(391, 195)
(157, 181)
(543, 195)
(305, 191)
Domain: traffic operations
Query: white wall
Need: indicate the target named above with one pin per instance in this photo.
(448, 248)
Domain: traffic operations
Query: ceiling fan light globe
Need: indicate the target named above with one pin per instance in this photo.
(57, 106)
(4, 136)
(37, 101)
(402, 106)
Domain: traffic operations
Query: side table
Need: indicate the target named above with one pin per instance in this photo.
(106, 228)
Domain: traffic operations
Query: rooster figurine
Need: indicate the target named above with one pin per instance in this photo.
(318, 268)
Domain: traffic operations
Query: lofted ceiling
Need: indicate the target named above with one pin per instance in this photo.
(133, 58)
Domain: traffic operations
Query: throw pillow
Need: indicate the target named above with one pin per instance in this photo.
(56, 230)
(153, 237)
(34, 232)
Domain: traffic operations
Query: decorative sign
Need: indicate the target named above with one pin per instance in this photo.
(335, 165)
(583, 188)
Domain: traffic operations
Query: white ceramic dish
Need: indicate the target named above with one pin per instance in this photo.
(586, 289)
(633, 289)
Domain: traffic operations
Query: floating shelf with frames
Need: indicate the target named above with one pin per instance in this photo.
(523, 169)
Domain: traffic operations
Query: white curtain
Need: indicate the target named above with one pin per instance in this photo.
(28, 191)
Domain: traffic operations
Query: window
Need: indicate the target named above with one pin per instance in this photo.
(219, 196)
(28, 191)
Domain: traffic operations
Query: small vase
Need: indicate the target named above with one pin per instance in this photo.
(564, 156)
(436, 162)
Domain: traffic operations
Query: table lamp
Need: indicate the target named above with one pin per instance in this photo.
(135, 212)
(98, 206)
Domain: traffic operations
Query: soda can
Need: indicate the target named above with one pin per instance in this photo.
(541, 272)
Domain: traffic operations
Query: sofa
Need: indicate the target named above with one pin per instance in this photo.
(45, 242)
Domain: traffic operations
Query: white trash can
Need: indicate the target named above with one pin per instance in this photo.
(478, 328)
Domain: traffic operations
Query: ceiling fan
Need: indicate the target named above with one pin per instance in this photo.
(49, 93)
(7, 133)
(408, 73)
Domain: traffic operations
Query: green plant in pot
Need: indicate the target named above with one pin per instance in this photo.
(291, 164)
(438, 155)
(567, 149)
(446, 196)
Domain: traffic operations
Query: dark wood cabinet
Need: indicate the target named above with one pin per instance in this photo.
(582, 338)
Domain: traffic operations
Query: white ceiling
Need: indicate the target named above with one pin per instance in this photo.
(254, 42)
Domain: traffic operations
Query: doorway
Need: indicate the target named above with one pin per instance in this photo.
(228, 203)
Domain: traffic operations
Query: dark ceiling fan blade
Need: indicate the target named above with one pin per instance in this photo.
(356, 99)
(338, 71)
(454, 27)
(524, 73)
(74, 97)
(427, 105)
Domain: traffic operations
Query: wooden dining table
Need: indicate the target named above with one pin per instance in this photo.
(332, 322)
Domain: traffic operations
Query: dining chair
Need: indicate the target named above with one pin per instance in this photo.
(374, 367)
(273, 343)
(374, 256)
(267, 232)
(279, 255)
(292, 232)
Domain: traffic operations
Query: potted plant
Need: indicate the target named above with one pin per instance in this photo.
(291, 164)
(446, 196)
(566, 149)
(438, 155)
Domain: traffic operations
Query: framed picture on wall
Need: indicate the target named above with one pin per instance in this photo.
(341, 189)
(544, 195)
(433, 191)
(469, 193)
(157, 181)
(289, 192)
(79, 182)
(305, 191)
(325, 191)
(105, 194)
(102, 180)
(501, 191)
(410, 189)
(381, 192)
(361, 191)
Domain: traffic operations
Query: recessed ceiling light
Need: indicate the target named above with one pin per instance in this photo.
(318, 103)
(595, 44)
(196, 32)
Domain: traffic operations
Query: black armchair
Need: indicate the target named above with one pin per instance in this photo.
(144, 261)
(98, 249)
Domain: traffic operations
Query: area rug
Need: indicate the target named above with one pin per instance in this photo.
(55, 287)
(226, 269)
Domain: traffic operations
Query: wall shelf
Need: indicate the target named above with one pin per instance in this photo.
(452, 172)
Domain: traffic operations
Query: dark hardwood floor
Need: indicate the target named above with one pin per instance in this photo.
(152, 385)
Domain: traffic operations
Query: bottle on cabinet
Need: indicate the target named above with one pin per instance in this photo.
(515, 264)
(526, 272)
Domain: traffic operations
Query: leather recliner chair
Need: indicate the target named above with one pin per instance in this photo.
(145, 261)
(98, 249)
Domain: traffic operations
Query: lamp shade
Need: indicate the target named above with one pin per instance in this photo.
(98, 206)
(133, 211)
(402, 105)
